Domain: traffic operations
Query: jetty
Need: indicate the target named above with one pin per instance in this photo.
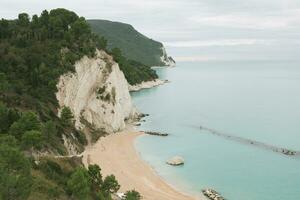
(156, 133)
(212, 194)
(242, 140)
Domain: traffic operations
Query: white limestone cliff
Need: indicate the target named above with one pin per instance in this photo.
(167, 60)
(97, 92)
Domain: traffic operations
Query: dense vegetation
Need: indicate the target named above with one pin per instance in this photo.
(51, 178)
(133, 44)
(34, 52)
(134, 71)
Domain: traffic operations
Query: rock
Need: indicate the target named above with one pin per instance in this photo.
(167, 60)
(212, 194)
(175, 161)
(37, 162)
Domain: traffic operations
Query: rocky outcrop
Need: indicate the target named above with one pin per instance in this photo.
(71, 148)
(212, 194)
(167, 60)
(146, 85)
(175, 161)
(97, 92)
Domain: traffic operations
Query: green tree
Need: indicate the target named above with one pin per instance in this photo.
(94, 172)
(110, 185)
(117, 54)
(101, 42)
(32, 140)
(132, 195)
(8, 140)
(78, 184)
(28, 121)
(49, 130)
(44, 17)
(100, 196)
(23, 19)
(4, 28)
(80, 28)
(66, 117)
(15, 177)
(5, 120)
(4, 85)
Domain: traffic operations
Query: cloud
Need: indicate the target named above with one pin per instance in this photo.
(234, 24)
(278, 20)
(211, 43)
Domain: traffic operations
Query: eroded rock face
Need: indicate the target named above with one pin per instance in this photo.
(97, 92)
(176, 160)
(167, 60)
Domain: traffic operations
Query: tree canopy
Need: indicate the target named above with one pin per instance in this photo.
(79, 184)
(15, 177)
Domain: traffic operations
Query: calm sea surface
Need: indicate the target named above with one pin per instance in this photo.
(253, 100)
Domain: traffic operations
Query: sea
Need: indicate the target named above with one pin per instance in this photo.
(255, 100)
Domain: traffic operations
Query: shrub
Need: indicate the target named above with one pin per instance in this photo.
(28, 122)
(78, 184)
(66, 117)
(132, 195)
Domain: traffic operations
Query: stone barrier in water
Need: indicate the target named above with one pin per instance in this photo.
(156, 133)
(242, 140)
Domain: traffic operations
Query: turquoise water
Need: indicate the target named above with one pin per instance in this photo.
(255, 100)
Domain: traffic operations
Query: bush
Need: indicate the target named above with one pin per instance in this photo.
(28, 122)
(81, 137)
(132, 195)
(66, 117)
(79, 185)
(32, 139)
(134, 71)
(15, 177)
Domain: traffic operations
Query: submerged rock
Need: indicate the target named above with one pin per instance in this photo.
(156, 133)
(175, 161)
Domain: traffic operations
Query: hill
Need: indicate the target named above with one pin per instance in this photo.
(35, 133)
(133, 44)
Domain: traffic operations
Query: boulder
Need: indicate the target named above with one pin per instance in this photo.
(175, 161)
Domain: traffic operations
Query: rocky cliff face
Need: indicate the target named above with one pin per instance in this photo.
(97, 93)
(167, 60)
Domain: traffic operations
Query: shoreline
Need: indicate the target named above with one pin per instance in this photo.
(116, 154)
(146, 85)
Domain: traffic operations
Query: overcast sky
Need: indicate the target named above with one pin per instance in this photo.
(195, 29)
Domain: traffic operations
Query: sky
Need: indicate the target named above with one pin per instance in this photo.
(195, 30)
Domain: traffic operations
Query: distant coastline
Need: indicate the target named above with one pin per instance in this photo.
(146, 85)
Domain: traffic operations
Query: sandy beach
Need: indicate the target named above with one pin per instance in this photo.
(116, 154)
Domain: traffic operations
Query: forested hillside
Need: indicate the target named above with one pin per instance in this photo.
(135, 45)
(34, 52)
